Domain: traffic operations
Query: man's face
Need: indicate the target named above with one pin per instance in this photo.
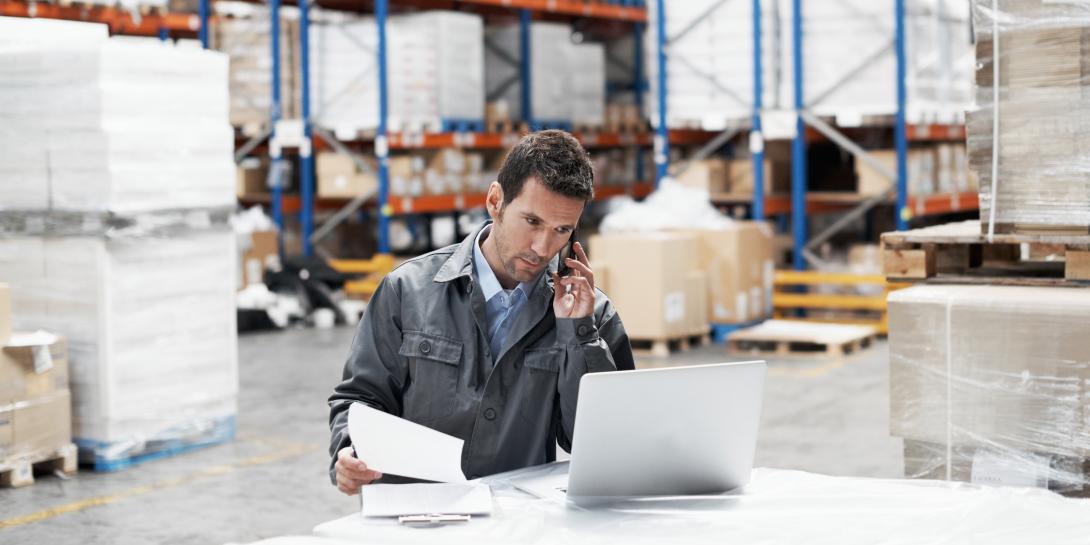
(531, 229)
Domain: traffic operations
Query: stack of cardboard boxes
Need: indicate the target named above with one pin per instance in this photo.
(673, 284)
(35, 405)
(1043, 113)
(932, 169)
(988, 384)
(735, 176)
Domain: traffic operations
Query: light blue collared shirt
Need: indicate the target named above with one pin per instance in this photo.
(501, 306)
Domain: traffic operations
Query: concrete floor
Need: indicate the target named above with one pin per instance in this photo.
(822, 415)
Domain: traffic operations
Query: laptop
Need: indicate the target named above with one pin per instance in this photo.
(666, 432)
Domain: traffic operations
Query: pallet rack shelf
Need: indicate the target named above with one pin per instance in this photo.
(811, 128)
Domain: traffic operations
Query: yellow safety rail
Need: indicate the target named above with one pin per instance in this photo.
(787, 298)
(374, 270)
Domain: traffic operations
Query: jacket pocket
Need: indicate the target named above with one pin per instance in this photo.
(434, 370)
(415, 344)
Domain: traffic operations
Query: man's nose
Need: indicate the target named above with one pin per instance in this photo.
(540, 245)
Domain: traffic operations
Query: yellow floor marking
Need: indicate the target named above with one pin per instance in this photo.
(288, 451)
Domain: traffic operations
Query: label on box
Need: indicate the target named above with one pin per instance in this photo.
(755, 301)
(1012, 469)
(674, 304)
(43, 360)
(741, 306)
(721, 312)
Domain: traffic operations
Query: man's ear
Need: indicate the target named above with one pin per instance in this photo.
(494, 200)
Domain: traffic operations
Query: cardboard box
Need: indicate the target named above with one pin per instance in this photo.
(34, 426)
(1069, 476)
(406, 175)
(777, 176)
(5, 313)
(711, 175)
(339, 177)
(991, 366)
(445, 171)
(647, 280)
(33, 365)
(740, 268)
(251, 177)
(261, 253)
(922, 165)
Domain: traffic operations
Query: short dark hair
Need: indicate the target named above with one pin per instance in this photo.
(555, 158)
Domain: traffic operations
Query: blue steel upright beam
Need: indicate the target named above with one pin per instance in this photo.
(756, 135)
(274, 117)
(306, 157)
(637, 89)
(798, 146)
(382, 148)
(526, 95)
(901, 210)
(202, 13)
(662, 134)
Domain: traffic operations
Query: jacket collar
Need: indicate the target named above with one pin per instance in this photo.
(460, 263)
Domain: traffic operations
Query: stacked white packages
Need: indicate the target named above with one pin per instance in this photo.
(435, 71)
(589, 85)
(551, 70)
(709, 69)
(113, 138)
(112, 126)
(850, 62)
(150, 324)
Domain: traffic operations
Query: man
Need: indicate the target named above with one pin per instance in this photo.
(483, 340)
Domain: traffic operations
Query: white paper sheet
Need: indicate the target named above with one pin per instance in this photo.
(396, 446)
(395, 500)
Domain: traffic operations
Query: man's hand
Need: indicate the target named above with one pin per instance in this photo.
(574, 294)
(352, 473)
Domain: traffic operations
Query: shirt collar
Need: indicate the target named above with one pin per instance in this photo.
(490, 285)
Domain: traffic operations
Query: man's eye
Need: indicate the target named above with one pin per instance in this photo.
(531, 221)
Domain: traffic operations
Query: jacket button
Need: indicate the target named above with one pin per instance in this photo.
(425, 347)
(582, 330)
(489, 414)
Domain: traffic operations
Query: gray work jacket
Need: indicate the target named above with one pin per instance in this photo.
(421, 352)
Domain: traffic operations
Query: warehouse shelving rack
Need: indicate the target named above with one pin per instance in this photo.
(809, 128)
(308, 139)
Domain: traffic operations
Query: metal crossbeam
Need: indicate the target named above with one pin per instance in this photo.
(863, 207)
(707, 149)
(696, 21)
(713, 80)
(251, 144)
(851, 74)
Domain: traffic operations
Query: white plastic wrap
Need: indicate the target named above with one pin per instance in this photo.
(989, 384)
(850, 63)
(589, 84)
(671, 207)
(1034, 164)
(435, 69)
(719, 44)
(112, 126)
(150, 324)
(848, 57)
(551, 73)
(778, 506)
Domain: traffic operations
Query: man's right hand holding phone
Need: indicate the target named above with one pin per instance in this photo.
(352, 473)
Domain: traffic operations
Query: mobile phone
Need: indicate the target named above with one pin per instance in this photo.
(566, 252)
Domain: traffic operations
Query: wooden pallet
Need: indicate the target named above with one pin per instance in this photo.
(959, 253)
(666, 346)
(795, 338)
(19, 470)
